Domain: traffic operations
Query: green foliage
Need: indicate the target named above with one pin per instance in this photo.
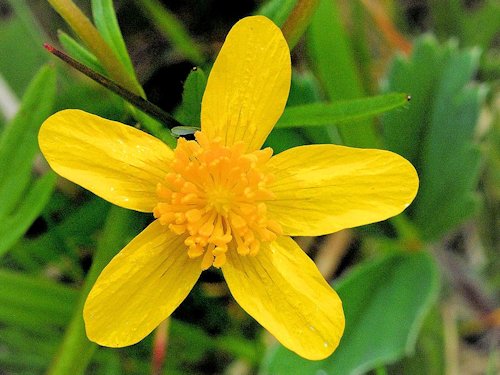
(384, 312)
(79, 52)
(453, 19)
(444, 111)
(172, 29)
(277, 10)
(20, 30)
(62, 241)
(189, 111)
(22, 199)
(332, 57)
(105, 21)
(320, 114)
(393, 323)
(429, 355)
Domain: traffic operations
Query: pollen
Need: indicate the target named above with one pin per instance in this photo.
(216, 196)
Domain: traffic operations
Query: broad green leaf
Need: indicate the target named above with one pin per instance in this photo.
(320, 114)
(79, 52)
(105, 21)
(429, 357)
(277, 10)
(439, 136)
(173, 29)
(332, 58)
(404, 132)
(189, 111)
(385, 302)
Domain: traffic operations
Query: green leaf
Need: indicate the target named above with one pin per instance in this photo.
(429, 357)
(305, 89)
(62, 240)
(21, 39)
(385, 302)
(173, 29)
(79, 52)
(18, 146)
(277, 10)
(418, 76)
(332, 57)
(34, 303)
(320, 114)
(439, 136)
(189, 111)
(105, 21)
(76, 350)
(14, 225)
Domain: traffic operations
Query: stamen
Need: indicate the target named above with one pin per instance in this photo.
(216, 196)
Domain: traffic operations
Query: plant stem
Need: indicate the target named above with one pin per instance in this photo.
(76, 350)
(130, 97)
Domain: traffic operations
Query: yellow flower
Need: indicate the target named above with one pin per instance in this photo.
(222, 201)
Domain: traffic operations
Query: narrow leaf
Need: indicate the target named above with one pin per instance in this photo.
(34, 302)
(79, 52)
(18, 144)
(320, 114)
(13, 226)
(106, 22)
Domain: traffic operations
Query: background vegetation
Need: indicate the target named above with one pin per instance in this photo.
(420, 291)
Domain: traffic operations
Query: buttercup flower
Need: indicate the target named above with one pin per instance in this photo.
(221, 201)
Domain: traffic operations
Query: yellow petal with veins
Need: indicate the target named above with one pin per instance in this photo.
(321, 189)
(248, 86)
(117, 162)
(283, 290)
(139, 288)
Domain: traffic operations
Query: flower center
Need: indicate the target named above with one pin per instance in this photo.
(216, 195)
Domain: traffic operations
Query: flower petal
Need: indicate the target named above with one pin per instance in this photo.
(249, 83)
(325, 188)
(284, 291)
(140, 287)
(117, 162)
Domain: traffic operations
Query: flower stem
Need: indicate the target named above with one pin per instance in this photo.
(160, 346)
(76, 350)
(298, 20)
(88, 33)
(130, 97)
